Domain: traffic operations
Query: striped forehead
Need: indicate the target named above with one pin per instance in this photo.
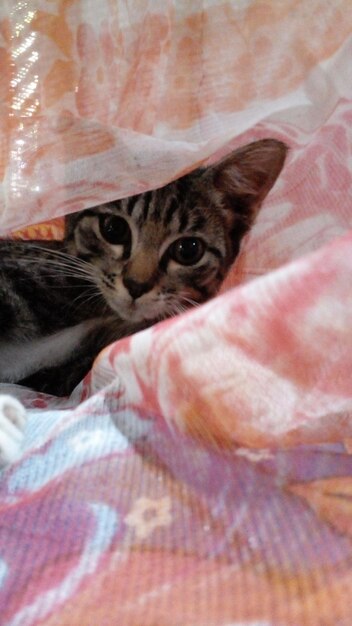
(165, 208)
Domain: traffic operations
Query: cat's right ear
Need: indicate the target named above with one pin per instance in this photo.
(245, 177)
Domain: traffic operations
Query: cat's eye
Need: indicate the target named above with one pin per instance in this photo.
(187, 250)
(115, 229)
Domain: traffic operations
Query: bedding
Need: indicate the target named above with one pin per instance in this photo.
(201, 474)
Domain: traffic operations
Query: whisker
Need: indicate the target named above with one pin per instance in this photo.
(60, 253)
(173, 308)
(190, 301)
(64, 286)
(62, 257)
(63, 269)
(89, 295)
(56, 262)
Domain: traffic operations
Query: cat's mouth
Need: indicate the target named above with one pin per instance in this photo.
(149, 308)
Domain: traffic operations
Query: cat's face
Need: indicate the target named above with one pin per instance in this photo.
(156, 253)
(162, 251)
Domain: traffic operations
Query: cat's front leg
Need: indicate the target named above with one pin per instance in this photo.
(12, 423)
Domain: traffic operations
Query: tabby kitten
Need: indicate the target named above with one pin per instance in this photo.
(125, 265)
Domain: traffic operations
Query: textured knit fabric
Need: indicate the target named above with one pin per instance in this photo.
(201, 475)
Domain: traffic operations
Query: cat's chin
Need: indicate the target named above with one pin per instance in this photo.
(135, 315)
(137, 319)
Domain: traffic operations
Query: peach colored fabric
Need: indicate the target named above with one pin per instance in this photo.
(100, 99)
(202, 473)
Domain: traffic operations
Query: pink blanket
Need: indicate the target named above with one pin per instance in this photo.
(201, 475)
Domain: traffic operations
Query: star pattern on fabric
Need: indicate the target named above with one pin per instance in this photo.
(147, 514)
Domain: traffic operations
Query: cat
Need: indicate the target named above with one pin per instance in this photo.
(125, 265)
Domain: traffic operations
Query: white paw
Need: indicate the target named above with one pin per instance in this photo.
(12, 423)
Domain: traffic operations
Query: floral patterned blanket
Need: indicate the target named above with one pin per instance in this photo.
(201, 475)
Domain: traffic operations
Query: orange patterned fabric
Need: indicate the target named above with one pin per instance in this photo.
(201, 474)
(101, 99)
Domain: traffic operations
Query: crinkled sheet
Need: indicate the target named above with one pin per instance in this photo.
(201, 475)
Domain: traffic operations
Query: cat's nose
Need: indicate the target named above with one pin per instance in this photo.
(134, 288)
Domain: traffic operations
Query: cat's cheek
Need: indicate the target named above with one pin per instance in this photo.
(116, 297)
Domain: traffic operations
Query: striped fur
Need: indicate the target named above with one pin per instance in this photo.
(127, 264)
(217, 204)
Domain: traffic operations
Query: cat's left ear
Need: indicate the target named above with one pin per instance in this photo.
(245, 177)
